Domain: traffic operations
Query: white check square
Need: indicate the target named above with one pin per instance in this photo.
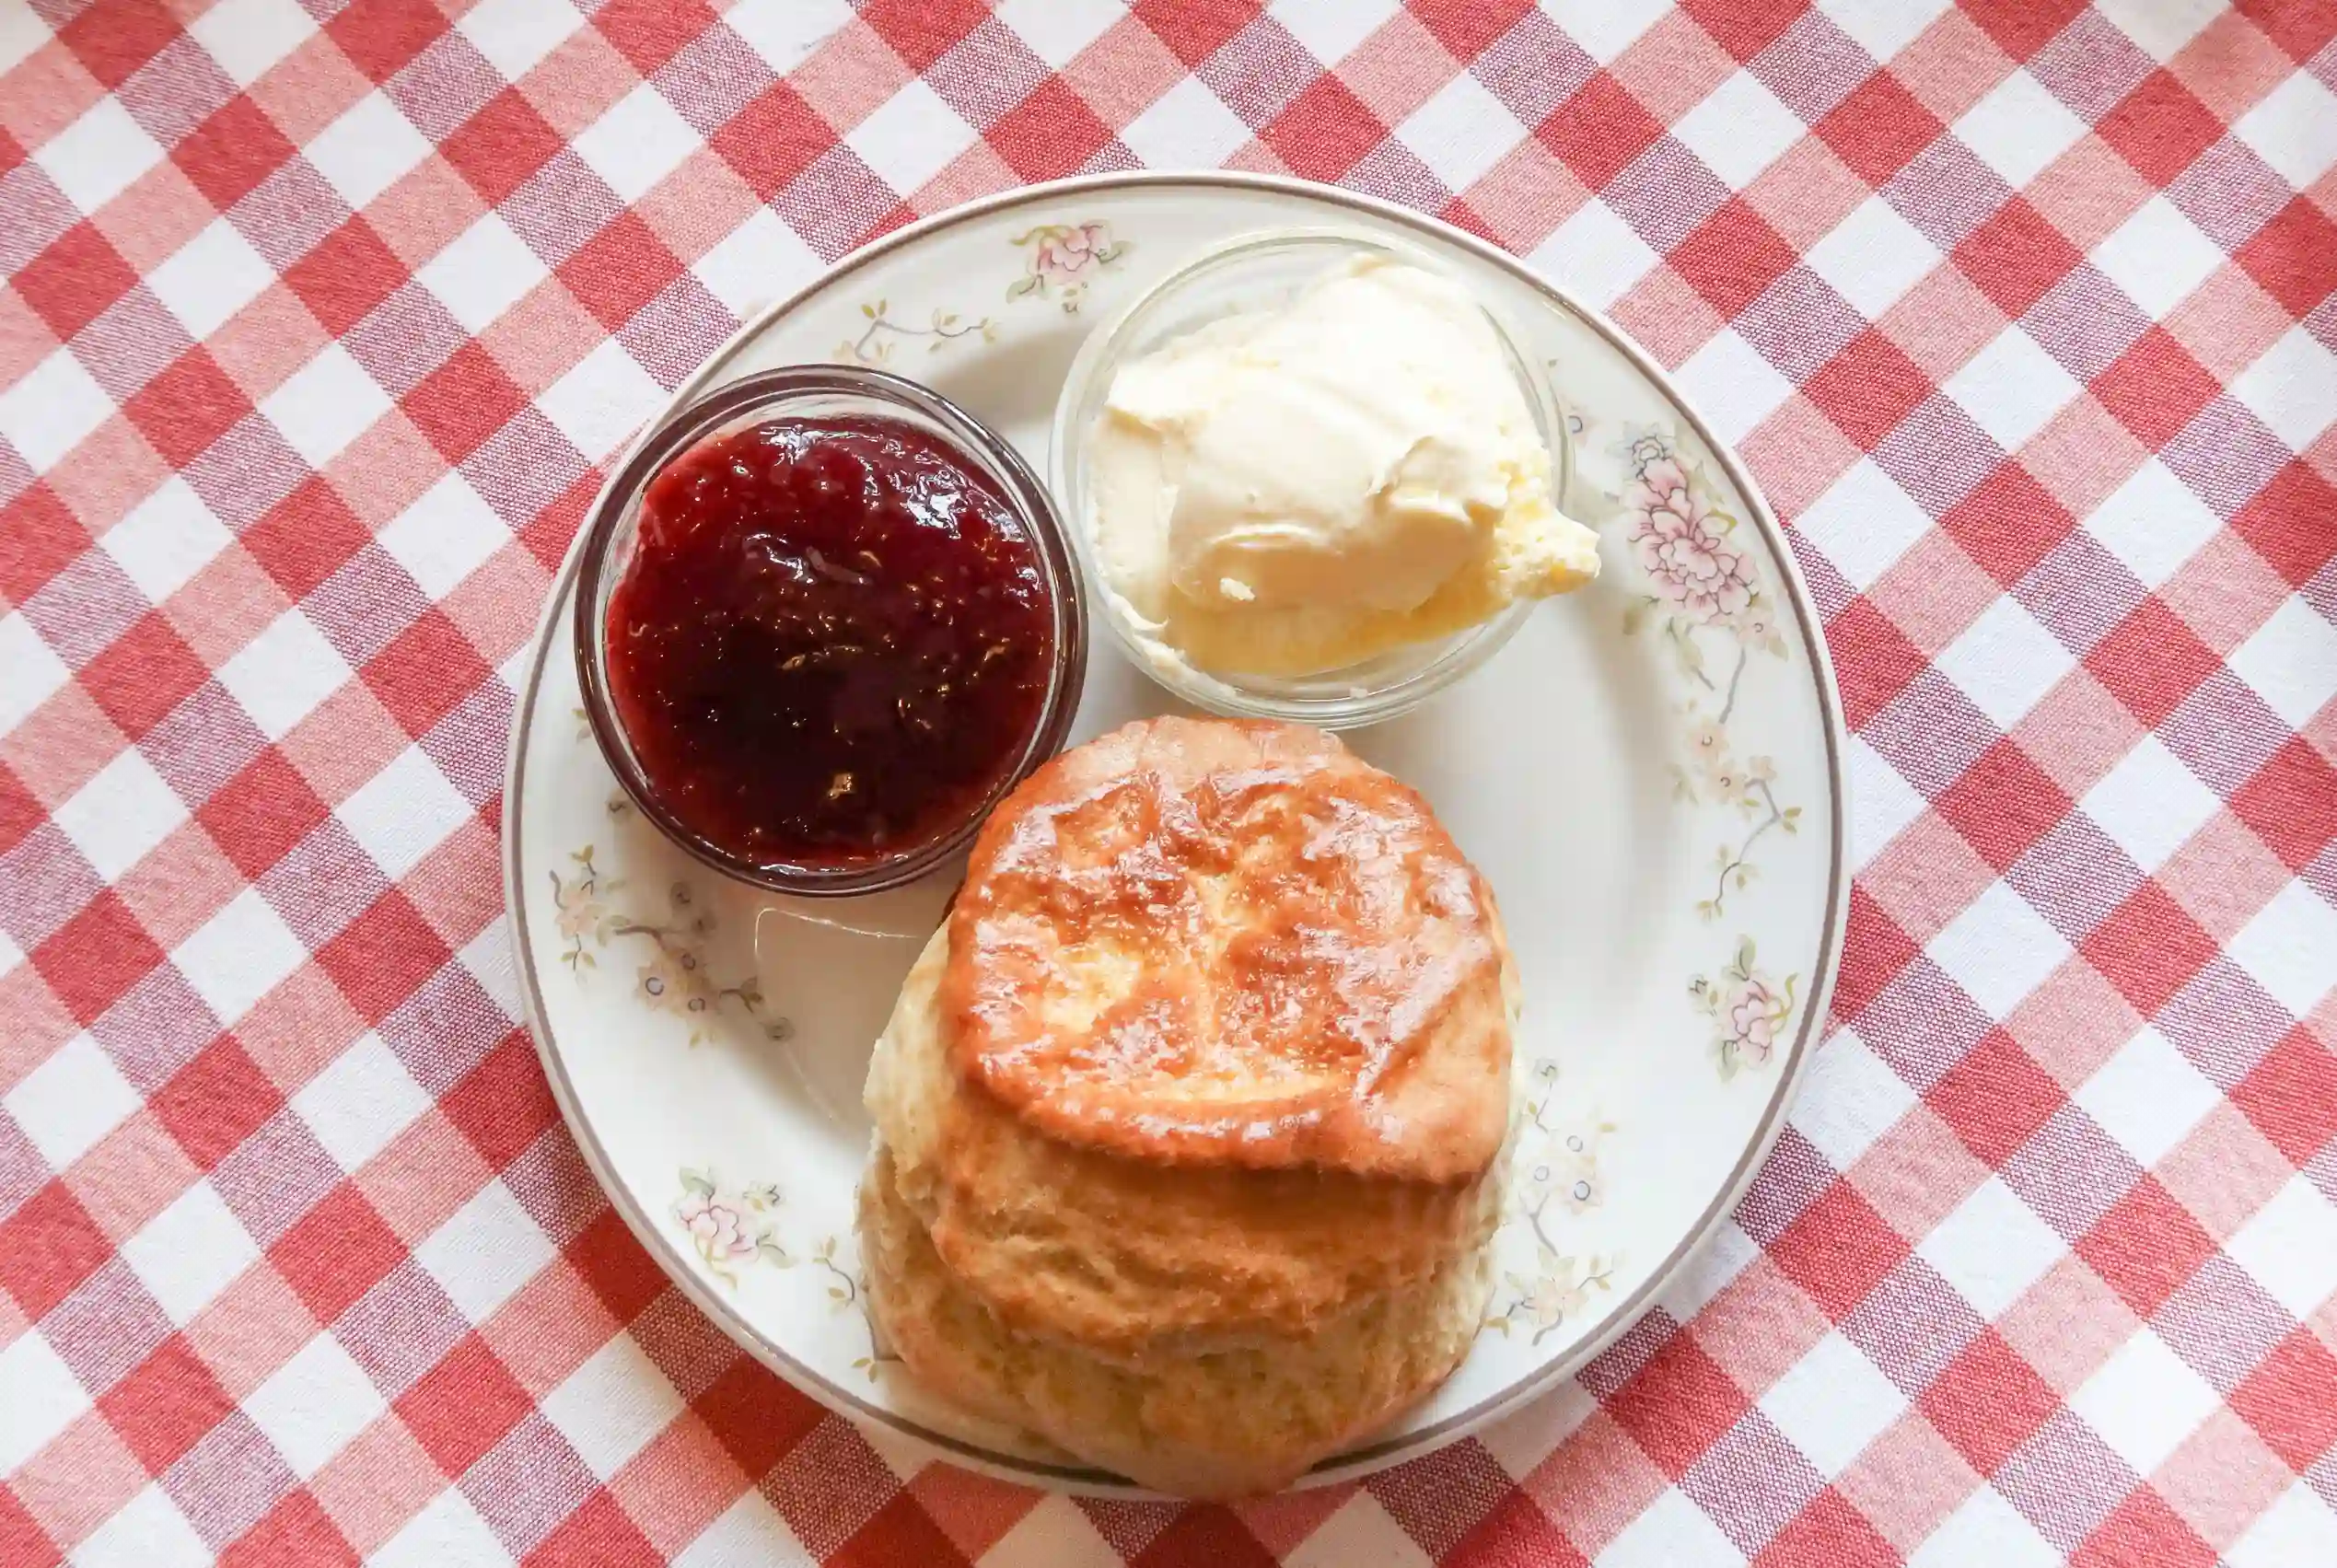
(1460, 131)
(912, 136)
(72, 1099)
(2157, 256)
(489, 1249)
(2012, 388)
(1831, 1403)
(2291, 947)
(166, 540)
(186, 1255)
(609, 1408)
(2005, 661)
(210, 277)
(368, 150)
(328, 403)
(2150, 804)
(1999, 949)
(2143, 1401)
(1740, 129)
(52, 408)
(280, 676)
(448, 533)
(2153, 523)
(364, 1099)
(239, 955)
(121, 814)
(601, 400)
(2147, 1096)
(39, 1397)
(1873, 257)
(1991, 1248)
(2018, 128)
(640, 141)
(97, 157)
(486, 270)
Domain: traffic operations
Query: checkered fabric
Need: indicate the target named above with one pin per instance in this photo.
(321, 324)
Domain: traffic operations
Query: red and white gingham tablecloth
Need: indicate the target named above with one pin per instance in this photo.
(320, 323)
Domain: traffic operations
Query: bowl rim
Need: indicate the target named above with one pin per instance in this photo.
(1458, 654)
(985, 448)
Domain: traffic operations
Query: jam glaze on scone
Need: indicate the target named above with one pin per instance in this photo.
(1203, 943)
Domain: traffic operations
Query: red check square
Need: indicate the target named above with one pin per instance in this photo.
(73, 281)
(1996, 1098)
(143, 674)
(38, 537)
(1868, 388)
(754, 1415)
(504, 1106)
(2155, 388)
(775, 137)
(2293, 257)
(348, 274)
(2160, 127)
(2291, 1095)
(2143, 1530)
(461, 1407)
(215, 1101)
(1052, 132)
(2152, 662)
(500, 148)
(1987, 1402)
(2149, 949)
(650, 33)
(380, 958)
(227, 155)
(1600, 130)
(48, 1247)
(187, 407)
(1839, 1250)
(336, 1252)
(2145, 1246)
(2014, 256)
(1879, 128)
(93, 958)
(425, 672)
(165, 1407)
(382, 37)
(1732, 256)
(2287, 522)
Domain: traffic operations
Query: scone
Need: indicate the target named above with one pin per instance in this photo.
(1191, 1117)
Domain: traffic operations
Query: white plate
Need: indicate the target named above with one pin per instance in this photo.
(1650, 774)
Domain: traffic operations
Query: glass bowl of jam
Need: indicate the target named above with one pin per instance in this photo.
(825, 620)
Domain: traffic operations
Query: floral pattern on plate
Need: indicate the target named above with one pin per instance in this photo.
(878, 340)
(1065, 258)
(1704, 597)
(673, 976)
(1749, 1009)
(732, 1228)
(1554, 1174)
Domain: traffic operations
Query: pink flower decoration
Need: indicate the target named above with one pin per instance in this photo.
(1752, 1023)
(1681, 548)
(1065, 251)
(719, 1231)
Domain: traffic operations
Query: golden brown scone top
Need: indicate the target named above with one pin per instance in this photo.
(1206, 942)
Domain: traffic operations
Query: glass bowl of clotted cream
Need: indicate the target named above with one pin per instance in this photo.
(1311, 477)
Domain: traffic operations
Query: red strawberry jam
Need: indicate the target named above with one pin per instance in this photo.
(831, 643)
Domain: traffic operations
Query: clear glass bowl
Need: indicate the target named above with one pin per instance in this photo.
(1259, 271)
(816, 391)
